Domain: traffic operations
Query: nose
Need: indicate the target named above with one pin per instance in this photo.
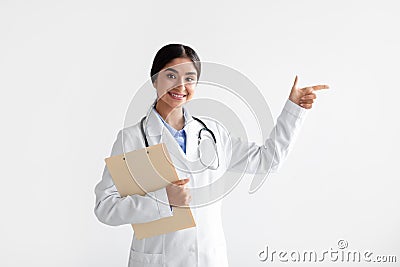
(181, 86)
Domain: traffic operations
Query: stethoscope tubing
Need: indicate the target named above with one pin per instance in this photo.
(205, 128)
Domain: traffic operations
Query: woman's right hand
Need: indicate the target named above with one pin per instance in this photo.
(178, 195)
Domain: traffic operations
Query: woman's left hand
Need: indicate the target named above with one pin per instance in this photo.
(304, 97)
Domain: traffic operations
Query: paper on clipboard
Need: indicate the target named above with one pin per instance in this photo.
(146, 170)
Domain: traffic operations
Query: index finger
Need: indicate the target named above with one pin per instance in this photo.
(321, 86)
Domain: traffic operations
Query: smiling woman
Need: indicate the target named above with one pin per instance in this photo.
(174, 80)
(175, 73)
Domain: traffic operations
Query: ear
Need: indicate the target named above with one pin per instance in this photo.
(155, 88)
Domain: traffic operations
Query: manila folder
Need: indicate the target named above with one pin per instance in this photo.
(146, 170)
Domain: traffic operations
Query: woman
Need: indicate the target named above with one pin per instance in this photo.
(175, 72)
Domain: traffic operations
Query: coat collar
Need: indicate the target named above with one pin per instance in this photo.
(172, 130)
(157, 133)
(155, 126)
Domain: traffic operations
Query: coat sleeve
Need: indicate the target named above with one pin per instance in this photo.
(112, 209)
(248, 157)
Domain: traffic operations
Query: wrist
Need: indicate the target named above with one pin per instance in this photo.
(291, 98)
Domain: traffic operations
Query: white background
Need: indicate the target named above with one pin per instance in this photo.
(68, 70)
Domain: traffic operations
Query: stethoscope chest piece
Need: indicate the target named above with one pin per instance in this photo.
(208, 153)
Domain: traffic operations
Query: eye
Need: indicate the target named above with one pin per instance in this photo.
(190, 79)
(171, 76)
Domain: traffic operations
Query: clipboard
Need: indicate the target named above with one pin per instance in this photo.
(146, 170)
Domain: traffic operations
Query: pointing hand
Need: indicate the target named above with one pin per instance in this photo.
(305, 97)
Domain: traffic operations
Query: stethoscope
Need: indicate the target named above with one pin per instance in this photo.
(205, 128)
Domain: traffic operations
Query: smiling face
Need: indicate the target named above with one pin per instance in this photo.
(176, 82)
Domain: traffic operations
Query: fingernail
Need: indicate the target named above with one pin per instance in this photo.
(302, 105)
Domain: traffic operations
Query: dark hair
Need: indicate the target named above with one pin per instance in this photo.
(168, 53)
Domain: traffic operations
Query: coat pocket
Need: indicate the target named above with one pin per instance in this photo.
(147, 259)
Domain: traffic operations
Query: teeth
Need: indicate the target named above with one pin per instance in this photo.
(175, 95)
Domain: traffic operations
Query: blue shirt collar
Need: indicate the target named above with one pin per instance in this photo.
(170, 128)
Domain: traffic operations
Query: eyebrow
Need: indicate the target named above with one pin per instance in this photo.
(187, 73)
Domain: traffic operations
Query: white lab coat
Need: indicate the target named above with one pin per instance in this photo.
(203, 245)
